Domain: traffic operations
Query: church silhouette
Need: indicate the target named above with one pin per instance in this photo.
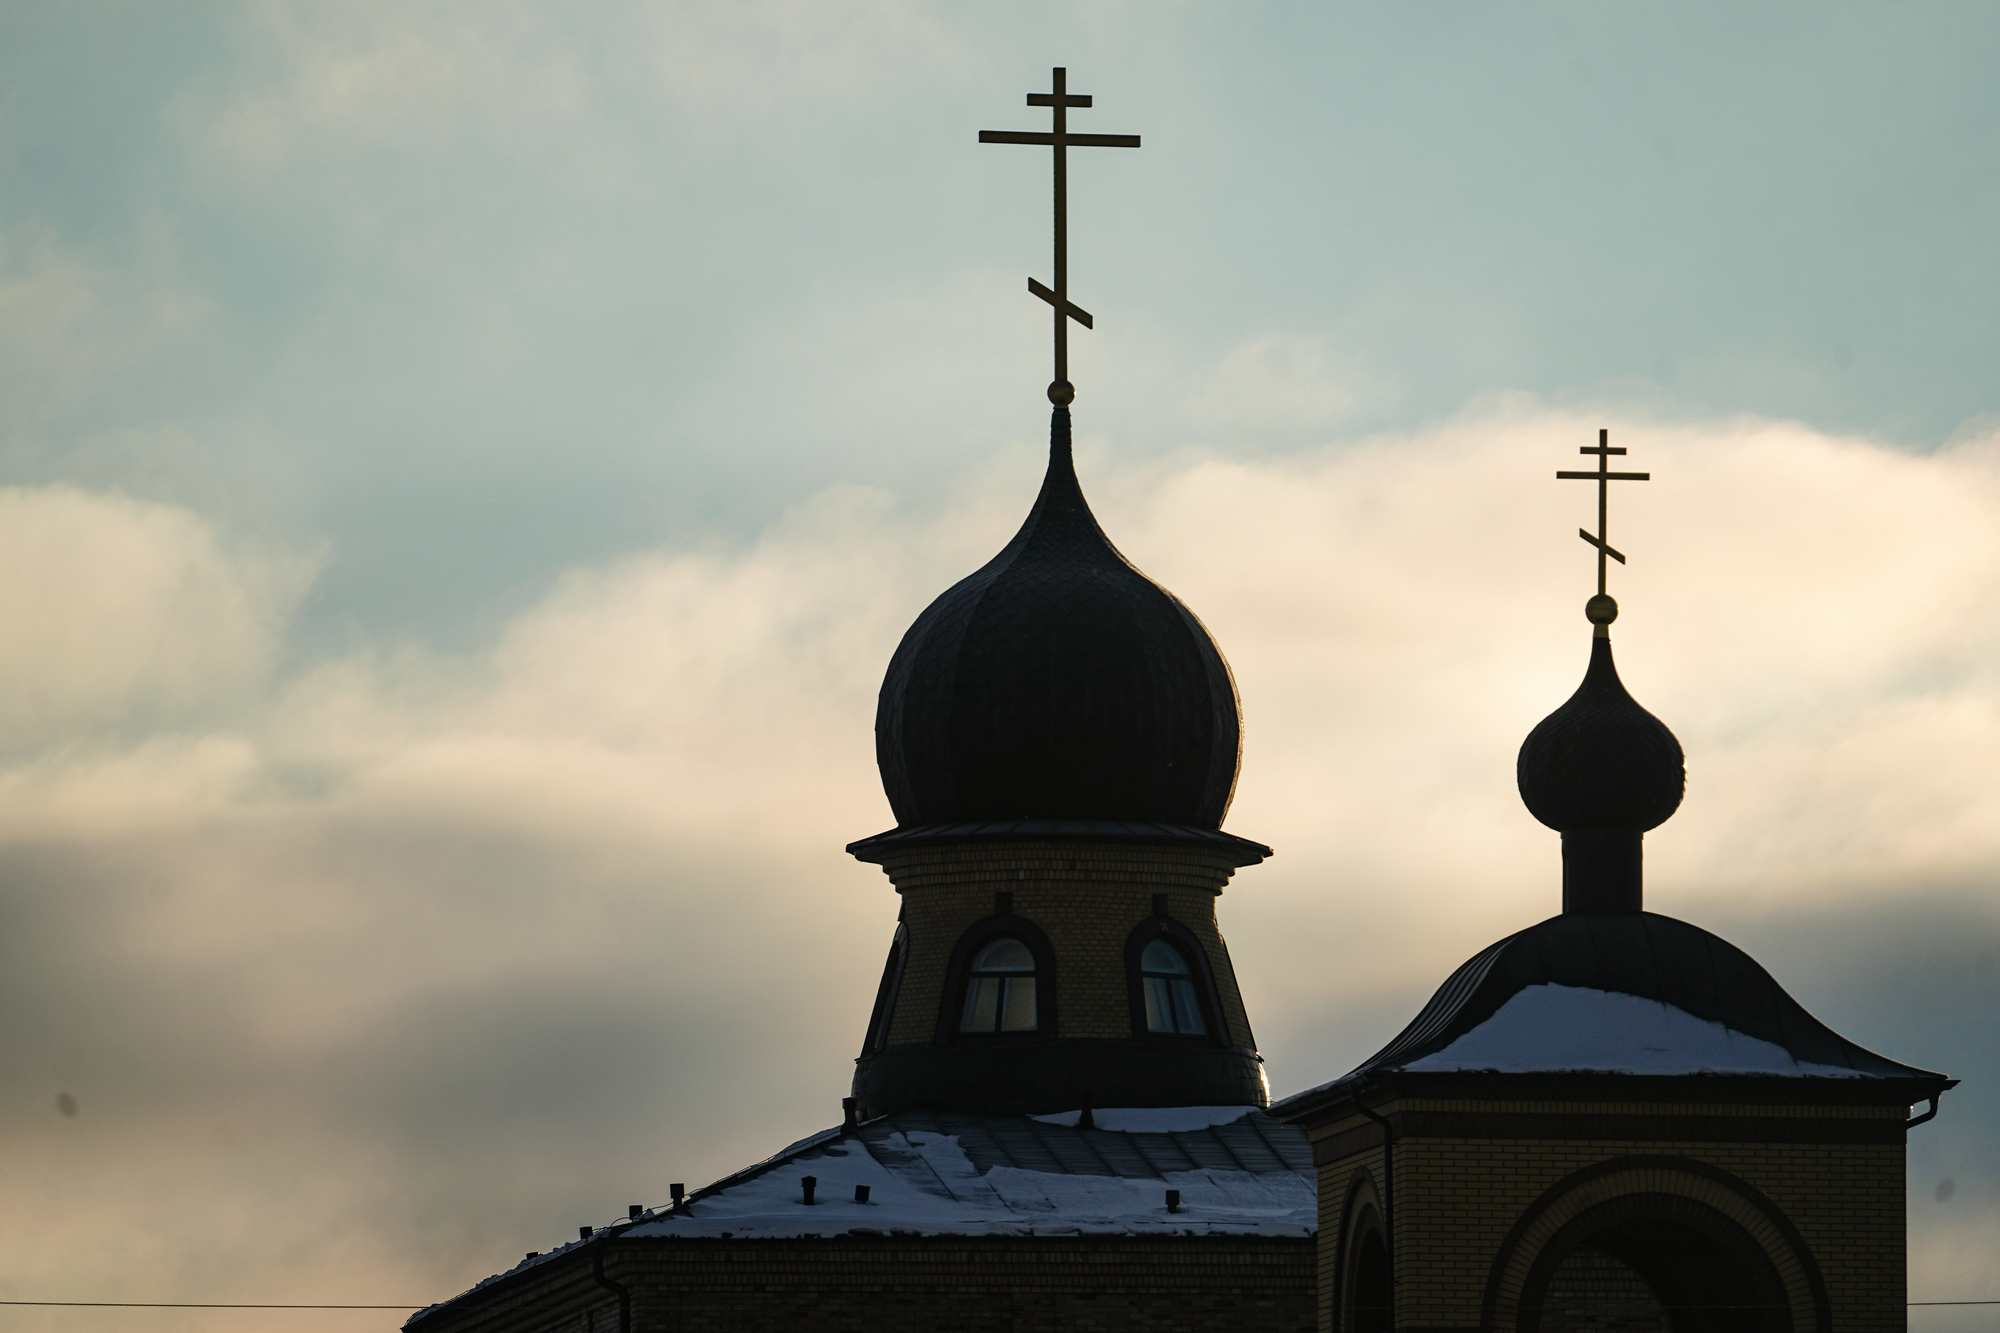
(1610, 1121)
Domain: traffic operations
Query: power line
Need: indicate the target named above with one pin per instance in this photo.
(205, 1305)
(214, 1305)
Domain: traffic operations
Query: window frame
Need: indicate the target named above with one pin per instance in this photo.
(888, 991)
(1199, 972)
(958, 976)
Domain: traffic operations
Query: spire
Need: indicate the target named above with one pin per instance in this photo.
(1601, 770)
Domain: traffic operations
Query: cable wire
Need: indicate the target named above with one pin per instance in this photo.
(205, 1305)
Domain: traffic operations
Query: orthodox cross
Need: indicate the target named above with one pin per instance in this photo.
(1059, 100)
(1603, 477)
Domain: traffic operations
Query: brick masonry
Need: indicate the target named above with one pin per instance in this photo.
(1834, 1174)
(1048, 1284)
(1086, 899)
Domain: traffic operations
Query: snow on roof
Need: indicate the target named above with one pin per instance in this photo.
(944, 1173)
(1152, 1119)
(1570, 1029)
(1237, 1172)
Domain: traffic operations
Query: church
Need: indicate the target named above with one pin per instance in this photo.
(1059, 1119)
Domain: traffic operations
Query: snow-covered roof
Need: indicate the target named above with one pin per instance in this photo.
(1631, 993)
(1571, 1029)
(945, 1174)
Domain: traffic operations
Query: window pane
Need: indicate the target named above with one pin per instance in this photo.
(1161, 956)
(1159, 1007)
(1020, 1011)
(1187, 1012)
(982, 1005)
(1004, 956)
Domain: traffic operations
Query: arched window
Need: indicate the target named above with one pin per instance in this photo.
(1172, 1002)
(1000, 989)
(1371, 1300)
(885, 994)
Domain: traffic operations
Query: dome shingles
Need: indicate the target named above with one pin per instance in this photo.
(1058, 682)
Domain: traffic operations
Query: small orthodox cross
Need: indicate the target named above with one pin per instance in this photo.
(1059, 100)
(1603, 477)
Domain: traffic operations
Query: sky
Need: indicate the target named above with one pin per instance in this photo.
(465, 467)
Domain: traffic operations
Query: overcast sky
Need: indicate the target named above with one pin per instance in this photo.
(465, 467)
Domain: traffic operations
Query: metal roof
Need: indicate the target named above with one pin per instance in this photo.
(1057, 681)
(1641, 954)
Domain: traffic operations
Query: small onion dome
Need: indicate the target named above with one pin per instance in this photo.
(1601, 763)
(1058, 682)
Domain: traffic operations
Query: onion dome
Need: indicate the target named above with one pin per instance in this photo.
(1601, 762)
(1058, 683)
(1601, 770)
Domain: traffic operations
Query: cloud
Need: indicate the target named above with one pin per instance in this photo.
(128, 614)
(70, 322)
(375, 970)
(564, 92)
(1282, 387)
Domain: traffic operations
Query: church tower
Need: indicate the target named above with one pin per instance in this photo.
(1058, 737)
(1057, 1115)
(1612, 1118)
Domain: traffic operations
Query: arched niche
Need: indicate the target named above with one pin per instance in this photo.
(1364, 1297)
(1662, 1244)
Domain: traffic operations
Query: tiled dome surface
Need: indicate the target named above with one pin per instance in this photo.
(1058, 682)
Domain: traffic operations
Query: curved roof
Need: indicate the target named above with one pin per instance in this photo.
(1699, 976)
(1058, 682)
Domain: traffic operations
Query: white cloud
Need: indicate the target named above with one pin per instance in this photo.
(128, 614)
(1282, 387)
(604, 853)
(1813, 616)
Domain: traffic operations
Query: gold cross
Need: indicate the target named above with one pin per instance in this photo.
(1603, 478)
(1061, 392)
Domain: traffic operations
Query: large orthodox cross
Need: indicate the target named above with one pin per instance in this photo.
(1059, 100)
(1603, 477)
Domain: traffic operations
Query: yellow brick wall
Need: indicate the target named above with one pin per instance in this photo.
(1087, 900)
(1456, 1199)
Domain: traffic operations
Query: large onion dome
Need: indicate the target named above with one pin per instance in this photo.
(1058, 683)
